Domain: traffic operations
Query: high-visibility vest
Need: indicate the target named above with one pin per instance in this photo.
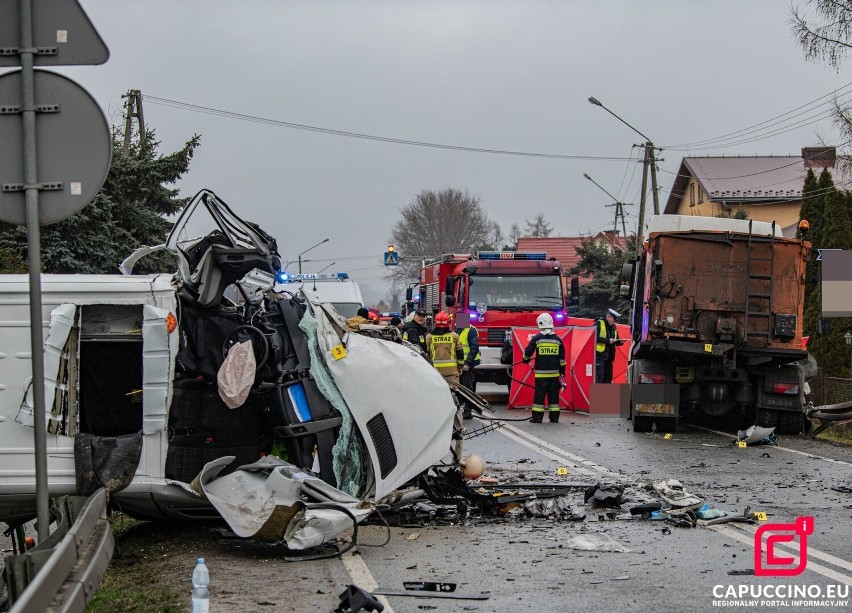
(442, 350)
(600, 347)
(466, 346)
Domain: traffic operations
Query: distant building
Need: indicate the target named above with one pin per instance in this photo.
(767, 187)
(564, 248)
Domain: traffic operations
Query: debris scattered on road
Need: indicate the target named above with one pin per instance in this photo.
(757, 435)
(595, 541)
(354, 599)
(673, 494)
(605, 495)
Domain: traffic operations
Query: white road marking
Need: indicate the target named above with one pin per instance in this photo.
(362, 577)
(572, 460)
(812, 552)
(817, 568)
(587, 467)
(779, 447)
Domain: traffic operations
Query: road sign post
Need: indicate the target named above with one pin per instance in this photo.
(42, 37)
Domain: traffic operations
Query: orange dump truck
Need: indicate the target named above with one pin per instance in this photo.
(717, 320)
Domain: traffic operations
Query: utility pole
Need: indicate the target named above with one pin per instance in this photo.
(134, 109)
(640, 230)
(653, 162)
(619, 211)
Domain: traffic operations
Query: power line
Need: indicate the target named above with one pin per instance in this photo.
(385, 139)
(763, 123)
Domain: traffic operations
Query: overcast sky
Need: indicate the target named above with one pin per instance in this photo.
(485, 74)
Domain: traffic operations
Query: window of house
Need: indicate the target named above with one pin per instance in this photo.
(692, 194)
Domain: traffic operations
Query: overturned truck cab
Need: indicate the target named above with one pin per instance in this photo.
(717, 324)
(135, 399)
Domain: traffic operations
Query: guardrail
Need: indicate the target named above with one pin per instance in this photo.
(62, 572)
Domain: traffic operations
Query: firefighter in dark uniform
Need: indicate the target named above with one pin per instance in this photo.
(606, 339)
(549, 369)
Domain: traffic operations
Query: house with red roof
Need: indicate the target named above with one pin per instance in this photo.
(564, 248)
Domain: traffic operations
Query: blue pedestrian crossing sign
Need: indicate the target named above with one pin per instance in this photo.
(391, 256)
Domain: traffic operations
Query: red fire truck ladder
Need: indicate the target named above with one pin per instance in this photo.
(758, 298)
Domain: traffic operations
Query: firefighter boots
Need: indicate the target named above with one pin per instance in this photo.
(536, 417)
(553, 416)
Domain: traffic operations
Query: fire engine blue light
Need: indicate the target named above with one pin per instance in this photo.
(560, 315)
(511, 255)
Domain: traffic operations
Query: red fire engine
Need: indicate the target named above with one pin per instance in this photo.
(496, 290)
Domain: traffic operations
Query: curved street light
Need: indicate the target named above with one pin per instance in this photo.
(649, 162)
(325, 240)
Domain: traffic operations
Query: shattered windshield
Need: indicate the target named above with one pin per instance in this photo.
(347, 309)
(514, 292)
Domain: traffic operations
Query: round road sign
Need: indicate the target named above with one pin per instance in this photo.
(73, 147)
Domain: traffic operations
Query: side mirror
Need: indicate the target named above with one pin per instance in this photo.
(450, 300)
(626, 277)
(624, 291)
(471, 269)
(574, 298)
(409, 294)
(450, 285)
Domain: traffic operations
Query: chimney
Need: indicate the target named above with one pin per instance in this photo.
(819, 157)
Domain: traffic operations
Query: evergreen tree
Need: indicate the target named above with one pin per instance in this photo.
(130, 211)
(604, 264)
(812, 209)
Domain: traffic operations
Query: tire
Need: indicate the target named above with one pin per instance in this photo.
(789, 422)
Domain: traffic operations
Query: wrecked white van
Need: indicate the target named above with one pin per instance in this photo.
(132, 399)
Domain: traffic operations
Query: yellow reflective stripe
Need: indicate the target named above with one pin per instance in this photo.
(538, 408)
(444, 363)
(545, 375)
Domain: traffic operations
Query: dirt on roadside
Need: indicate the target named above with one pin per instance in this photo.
(153, 564)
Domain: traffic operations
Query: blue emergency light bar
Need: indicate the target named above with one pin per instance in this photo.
(284, 277)
(511, 255)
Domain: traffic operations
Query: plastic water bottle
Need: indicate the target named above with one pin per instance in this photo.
(200, 581)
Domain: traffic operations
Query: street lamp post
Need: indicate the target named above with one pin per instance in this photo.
(325, 240)
(649, 162)
(619, 210)
(327, 267)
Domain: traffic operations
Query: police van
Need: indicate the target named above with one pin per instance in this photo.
(335, 288)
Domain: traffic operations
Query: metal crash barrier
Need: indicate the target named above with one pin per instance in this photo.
(62, 572)
(830, 415)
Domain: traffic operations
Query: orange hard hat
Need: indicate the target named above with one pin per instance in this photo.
(442, 318)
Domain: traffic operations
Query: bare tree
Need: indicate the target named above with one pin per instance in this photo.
(823, 28)
(448, 221)
(515, 235)
(538, 227)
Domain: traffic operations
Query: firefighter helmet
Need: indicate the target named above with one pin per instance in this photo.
(442, 319)
(545, 322)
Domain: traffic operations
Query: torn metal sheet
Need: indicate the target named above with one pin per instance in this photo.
(406, 422)
(266, 501)
(672, 492)
(755, 435)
